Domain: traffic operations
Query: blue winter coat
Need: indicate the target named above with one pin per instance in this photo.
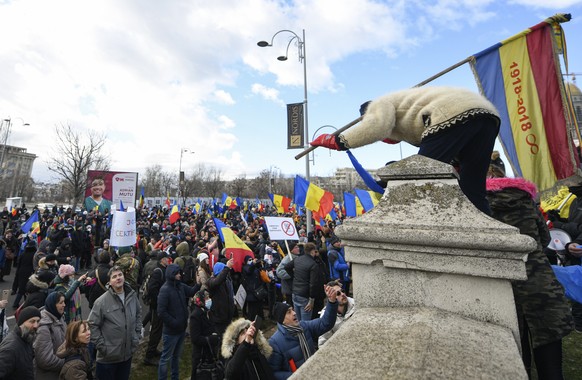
(286, 347)
(338, 268)
(173, 302)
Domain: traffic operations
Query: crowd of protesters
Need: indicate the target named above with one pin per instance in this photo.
(179, 282)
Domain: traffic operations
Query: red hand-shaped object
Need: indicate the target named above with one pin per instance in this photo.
(326, 140)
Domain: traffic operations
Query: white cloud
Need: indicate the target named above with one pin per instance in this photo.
(267, 93)
(224, 97)
(554, 4)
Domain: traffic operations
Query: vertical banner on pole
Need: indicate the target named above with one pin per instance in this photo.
(295, 126)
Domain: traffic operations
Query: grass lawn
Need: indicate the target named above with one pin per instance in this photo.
(572, 348)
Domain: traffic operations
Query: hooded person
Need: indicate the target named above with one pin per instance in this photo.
(542, 310)
(50, 335)
(205, 339)
(24, 270)
(37, 288)
(254, 287)
(43, 251)
(173, 311)
(246, 352)
(16, 351)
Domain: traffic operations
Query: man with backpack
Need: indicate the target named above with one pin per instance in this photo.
(187, 265)
(153, 284)
(130, 266)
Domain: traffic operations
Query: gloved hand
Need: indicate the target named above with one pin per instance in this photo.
(327, 141)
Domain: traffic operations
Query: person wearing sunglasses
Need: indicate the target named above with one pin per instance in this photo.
(345, 309)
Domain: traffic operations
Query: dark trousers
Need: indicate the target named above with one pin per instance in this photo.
(114, 371)
(577, 315)
(196, 356)
(155, 334)
(471, 143)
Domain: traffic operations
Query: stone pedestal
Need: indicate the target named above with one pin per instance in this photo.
(433, 273)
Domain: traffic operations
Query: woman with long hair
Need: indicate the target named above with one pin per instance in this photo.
(50, 335)
(74, 351)
(204, 272)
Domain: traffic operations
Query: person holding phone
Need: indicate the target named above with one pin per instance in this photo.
(246, 351)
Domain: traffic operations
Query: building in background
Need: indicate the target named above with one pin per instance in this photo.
(15, 171)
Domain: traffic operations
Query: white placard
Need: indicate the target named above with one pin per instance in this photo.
(123, 231)
(123, 187)
(240, 296)
(281, 228)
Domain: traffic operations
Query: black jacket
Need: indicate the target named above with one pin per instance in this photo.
(16, 356)
(248, 363)
(308, 276)
(173, 302)
(155, 283)
(220, 287)
(202, 331)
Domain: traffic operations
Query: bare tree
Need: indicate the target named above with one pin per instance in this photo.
(213, 182)
(238, 187)
(74, 154)
(194, 184)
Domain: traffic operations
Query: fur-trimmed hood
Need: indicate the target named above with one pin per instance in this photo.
(499, 184)
(231, 336)
(38, 283)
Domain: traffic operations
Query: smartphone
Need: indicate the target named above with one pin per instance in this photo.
(257, 322)
(5, 294)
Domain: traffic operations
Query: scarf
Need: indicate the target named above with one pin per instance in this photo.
(298, 332)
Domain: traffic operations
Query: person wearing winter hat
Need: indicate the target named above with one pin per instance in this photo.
(173, 312)
(202, 331)
(65, 283)
(16, 352)
(221, 291)
(246, 351)
(293, 342)
(50, 335)
(204, 272)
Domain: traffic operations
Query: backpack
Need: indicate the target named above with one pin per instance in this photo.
(189, 271)
(144, 289)
(130, 268)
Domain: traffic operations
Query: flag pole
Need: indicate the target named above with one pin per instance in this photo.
(356, 121)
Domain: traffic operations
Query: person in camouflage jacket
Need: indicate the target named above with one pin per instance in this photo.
(543, 312)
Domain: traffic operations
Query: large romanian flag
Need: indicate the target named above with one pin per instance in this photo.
(314, 198)
(281, 202)
(228, 201)
(235, 247)
(522, 77)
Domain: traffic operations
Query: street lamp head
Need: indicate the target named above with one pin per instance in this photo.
(263, 43)
(282, 58)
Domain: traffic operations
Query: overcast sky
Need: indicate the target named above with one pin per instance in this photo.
(158, 76)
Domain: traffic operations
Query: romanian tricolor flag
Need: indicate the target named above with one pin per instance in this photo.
(282, 203)
(521, 76)
(229, 202)
(31, 225)
(235, 247)
(352, 205)
(174, 214)
(141, 198)
(314, 198)
(13, 211)
(168, 204)
(368, 199)
(196, 208)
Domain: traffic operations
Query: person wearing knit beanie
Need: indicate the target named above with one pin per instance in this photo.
(27, 313)
(279, 311)
(16, 352)
(66, 270)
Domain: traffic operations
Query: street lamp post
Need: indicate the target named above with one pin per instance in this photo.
(302, 58)
(271, 177)
(181, 174)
